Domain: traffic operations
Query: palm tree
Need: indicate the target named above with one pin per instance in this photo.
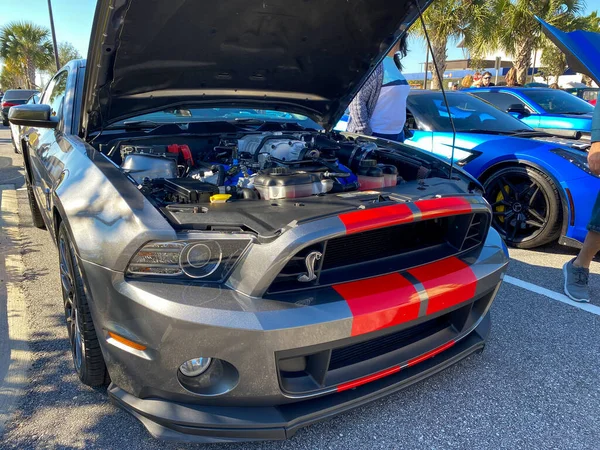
(11, 76)
(448, 20)
(513, 28)
(28, 46)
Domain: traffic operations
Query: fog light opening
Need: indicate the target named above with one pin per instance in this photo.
(195, 367)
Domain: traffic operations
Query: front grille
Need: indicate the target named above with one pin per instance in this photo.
(384, 250)
(356, 353)
(383, 243)
(307, 370)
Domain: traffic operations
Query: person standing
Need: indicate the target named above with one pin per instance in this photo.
(577, 271)
(486, 80)
(379, 108)
(466, 82)
(511, 78)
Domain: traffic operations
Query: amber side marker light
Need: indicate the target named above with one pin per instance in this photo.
(126, 342)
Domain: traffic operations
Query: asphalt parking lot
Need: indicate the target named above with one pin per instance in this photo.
(535, 386)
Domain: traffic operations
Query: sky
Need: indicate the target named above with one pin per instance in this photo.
(73, 23)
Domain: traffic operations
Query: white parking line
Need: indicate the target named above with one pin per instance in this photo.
(553, 295)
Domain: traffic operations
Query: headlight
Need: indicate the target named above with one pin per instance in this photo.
(575, 157)
(209, 260)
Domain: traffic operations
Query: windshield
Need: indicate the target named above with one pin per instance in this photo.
(468, 113)
(188, 115)
(18, 94)
(559, 102)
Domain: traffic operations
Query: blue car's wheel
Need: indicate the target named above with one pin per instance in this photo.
(526, 206)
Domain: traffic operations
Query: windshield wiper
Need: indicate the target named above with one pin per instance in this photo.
(249, 121)
(575, 113)
(529, 133)
(136, 124)
(476, 130)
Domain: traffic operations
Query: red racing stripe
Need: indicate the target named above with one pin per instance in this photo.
(380, 302)
(447, 282)
(367, 379)
(446, 206)
(369, 219)
(430, 354)
(386, 216)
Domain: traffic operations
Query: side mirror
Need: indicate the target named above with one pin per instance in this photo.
(519, 109)
(32, 116)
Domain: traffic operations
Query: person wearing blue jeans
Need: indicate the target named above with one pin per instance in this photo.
(577, 271)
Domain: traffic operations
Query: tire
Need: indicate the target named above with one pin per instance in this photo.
(85, 348)
(36, 214)
(526, 206)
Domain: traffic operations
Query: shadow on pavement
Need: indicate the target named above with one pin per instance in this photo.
(11, 173)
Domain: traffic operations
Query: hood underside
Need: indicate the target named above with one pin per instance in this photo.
(582, 49)
(304, 56)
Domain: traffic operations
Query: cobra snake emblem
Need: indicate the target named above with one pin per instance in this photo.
(310, 261)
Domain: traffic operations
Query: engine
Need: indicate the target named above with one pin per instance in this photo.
(255, 166)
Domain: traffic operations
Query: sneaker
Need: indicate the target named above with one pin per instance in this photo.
(576, 282)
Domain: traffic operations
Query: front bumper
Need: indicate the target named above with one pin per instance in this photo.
(252, 335)
(212, 424)
(580, 207)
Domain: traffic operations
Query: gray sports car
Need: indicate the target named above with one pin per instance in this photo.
(233, 267)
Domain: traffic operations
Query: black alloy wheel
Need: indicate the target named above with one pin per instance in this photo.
(525, 205)
(85, 349)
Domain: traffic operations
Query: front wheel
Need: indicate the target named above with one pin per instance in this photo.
(526, 206)
(85, 348)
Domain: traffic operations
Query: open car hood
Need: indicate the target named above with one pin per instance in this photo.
(582, 49)
(303, 56)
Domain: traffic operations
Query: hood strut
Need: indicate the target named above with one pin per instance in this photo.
(437, 70)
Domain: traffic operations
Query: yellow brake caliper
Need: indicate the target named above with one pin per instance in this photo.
(501, 208)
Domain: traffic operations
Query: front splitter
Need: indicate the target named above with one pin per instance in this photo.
(174, 421)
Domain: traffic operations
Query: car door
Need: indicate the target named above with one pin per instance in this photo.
(42, 146)
(504, 100)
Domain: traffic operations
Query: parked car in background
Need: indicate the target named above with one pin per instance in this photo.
(589, 94)
(551, 110)
(538, 185)
(18, 133)
(11, 98)
(236, 270)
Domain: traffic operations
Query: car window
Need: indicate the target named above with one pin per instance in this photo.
(469, 114)
(18, 94)
(500, 100)
(189, 115)
(55, 93)
(559, 102)
(590, 95)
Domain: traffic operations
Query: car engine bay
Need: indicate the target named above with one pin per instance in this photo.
(190, 174)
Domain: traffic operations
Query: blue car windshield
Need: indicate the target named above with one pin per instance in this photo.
(558, 102)
(469, 114)
(189, 115)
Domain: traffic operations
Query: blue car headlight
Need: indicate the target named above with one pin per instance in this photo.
(575, 157)
(202, 258)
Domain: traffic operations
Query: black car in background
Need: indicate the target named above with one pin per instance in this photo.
(14, 97)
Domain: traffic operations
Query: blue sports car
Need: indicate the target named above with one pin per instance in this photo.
(543, 109)
(537, 184)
